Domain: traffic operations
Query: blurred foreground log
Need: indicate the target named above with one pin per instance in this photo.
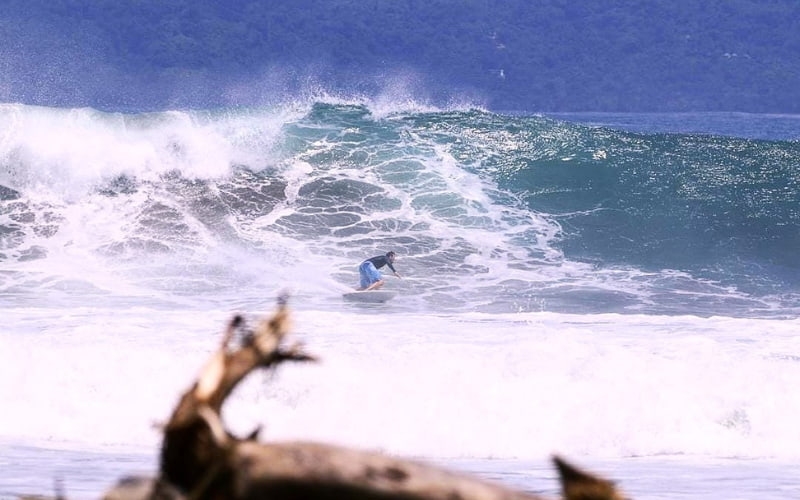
(200, 459)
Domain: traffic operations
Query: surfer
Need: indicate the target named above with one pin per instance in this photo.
(371, 278)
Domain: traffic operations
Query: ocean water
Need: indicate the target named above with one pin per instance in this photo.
(621, 290)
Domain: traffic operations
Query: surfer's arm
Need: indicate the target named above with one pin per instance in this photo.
(394, 271)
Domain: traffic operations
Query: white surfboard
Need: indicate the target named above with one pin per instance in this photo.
(369, 296)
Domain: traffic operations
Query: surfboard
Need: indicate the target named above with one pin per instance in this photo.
(369, 296)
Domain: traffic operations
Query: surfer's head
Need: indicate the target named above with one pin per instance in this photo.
(390, 256)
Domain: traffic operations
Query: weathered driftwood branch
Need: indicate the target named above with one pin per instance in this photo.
(202, 460)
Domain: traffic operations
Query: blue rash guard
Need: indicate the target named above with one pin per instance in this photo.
(368, 270)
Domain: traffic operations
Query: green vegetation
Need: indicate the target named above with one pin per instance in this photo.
(542, 55)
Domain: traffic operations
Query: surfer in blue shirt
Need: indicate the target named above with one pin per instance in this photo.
(371, 278)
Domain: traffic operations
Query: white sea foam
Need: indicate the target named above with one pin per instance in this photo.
(470, 385)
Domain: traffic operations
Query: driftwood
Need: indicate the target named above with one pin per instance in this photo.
(200, 459)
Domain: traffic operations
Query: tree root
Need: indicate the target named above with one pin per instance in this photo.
(200, 459)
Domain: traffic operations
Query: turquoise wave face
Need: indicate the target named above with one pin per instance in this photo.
(720, 207)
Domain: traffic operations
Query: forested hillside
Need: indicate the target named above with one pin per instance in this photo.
(540, 55)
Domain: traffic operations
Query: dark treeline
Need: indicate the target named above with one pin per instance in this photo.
(533, 55)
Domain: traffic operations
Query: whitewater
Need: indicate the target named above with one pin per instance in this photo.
(618, 289)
